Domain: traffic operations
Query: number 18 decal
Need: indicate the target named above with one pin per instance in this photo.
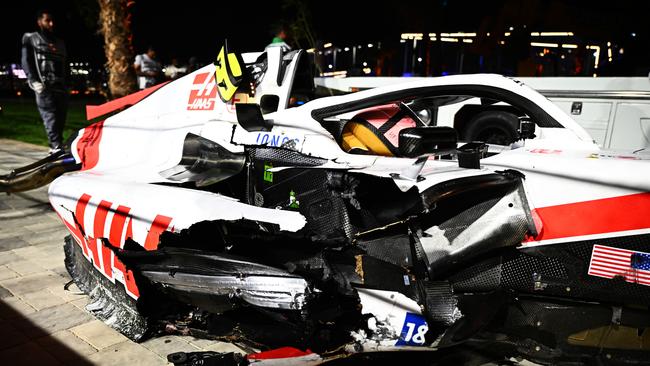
(413, 331)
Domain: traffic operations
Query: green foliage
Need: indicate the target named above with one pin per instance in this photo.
(19, 120)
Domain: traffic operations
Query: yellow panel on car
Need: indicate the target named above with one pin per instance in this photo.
(228, 73)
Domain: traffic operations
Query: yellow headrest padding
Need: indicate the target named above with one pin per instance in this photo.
(357, 136)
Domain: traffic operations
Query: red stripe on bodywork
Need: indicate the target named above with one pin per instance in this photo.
(159, 224)
(129, 280)
(117, 226)
(98, 228)
(284, 352)
(79, 214)
(88, 145)
(631, 212)
(95, 111)
(129, 232)
(115, 237)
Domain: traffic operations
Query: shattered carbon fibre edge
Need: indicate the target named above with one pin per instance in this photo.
(109, 302)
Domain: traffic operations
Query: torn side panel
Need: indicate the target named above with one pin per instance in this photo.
(487, 216)
(217, 282)
(109, 302)
(147, 201)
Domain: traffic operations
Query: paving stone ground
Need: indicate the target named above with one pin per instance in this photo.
(41, 323)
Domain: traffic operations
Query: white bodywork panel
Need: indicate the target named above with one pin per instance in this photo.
(184, 206)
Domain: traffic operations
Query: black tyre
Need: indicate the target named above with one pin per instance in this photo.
(493, 127)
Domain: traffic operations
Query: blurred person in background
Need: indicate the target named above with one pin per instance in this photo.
(147, 68)
(192, 64)
(175, 70)
(280, 38)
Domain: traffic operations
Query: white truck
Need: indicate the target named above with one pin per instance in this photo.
(614, 110)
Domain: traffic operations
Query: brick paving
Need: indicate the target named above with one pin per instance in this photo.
(41, 323)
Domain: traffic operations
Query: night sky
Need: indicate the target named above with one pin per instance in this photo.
(195, 28)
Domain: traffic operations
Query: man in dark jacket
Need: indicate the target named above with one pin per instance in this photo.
(45, 64)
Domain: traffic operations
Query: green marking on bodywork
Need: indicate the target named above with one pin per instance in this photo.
(268, 176)
(293, 202)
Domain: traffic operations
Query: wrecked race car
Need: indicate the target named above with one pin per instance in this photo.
(234, 204)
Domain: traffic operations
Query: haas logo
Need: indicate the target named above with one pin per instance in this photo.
(203, 94)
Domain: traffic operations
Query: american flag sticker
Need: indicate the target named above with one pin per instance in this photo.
(610, 262)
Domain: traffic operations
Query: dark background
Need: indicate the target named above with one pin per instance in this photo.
(196, 28)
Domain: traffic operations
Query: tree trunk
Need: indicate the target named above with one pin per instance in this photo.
(115, 25)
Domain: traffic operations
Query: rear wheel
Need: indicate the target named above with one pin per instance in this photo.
(493, 127)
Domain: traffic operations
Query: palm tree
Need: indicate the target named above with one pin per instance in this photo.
(299, 22)
(115, 25)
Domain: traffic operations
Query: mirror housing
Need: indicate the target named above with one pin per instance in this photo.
(526, 128)
(416, 141)
(470, 154)
(269, 103)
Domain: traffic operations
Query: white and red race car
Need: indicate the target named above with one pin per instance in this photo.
(233, 204)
